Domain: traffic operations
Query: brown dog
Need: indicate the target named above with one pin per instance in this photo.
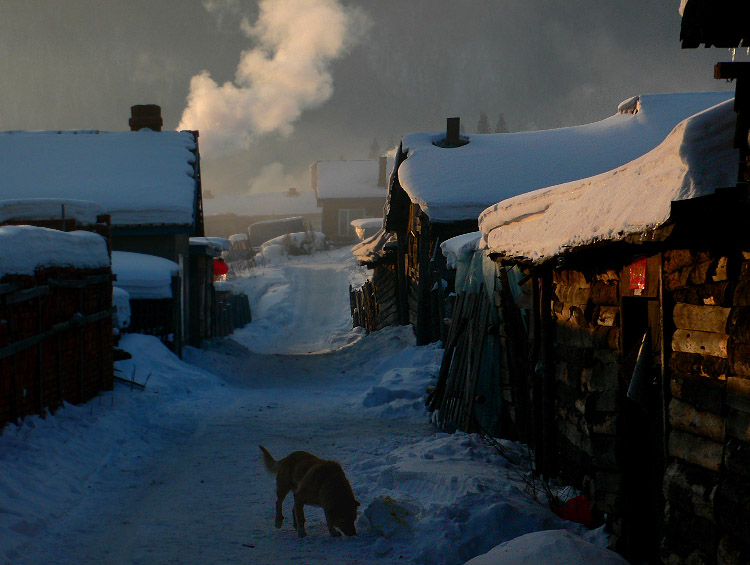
(317, 482)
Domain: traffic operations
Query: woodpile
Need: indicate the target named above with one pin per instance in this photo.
(457, 400)
(587, 330)
(707, 482)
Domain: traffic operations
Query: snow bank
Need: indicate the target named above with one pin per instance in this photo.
(81, 211)
(299, 243)
(121, 302)
(694, 159)
(47, 463)
(144, 276)
(141, 177)
(24, 249)
(458, 184)
(560, 547)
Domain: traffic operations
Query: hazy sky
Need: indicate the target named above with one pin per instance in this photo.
(288, 82)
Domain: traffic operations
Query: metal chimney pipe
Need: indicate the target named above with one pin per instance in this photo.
(382, 180)
(453, 131)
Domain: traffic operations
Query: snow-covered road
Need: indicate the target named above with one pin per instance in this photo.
(173, 474)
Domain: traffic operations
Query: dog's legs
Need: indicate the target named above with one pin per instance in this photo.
(331, 529)
(299, 517)
(281, 493)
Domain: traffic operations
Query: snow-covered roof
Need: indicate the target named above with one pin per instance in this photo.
(351, 179)
(374, 247)
(696, 158)
(30, 209)
(367, 223)
(459, 183)
(216, 243)
(460, 247)
(262, 204)
(144, 276)
(24, 249)
(141, 177)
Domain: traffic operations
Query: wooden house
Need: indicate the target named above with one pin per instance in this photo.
(147, 180)
(347, 191)
(55, 319)
(633, 387)
(442, 181)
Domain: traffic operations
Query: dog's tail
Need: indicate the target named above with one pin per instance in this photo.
(271, 465)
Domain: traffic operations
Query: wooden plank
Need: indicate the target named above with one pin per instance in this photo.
(75, 322)
(24, 295)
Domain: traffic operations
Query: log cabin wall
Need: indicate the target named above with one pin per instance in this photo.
(586, 317)
(707, 480)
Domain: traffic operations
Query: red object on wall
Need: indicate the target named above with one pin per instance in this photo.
(220, 267)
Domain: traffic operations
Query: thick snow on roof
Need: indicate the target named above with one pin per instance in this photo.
(216, 243)
(24, 249)
(81, 211)
(262, 204)
(143, 276)
(696, 158)
(141, 177)
(458, 183)
(460, 247)
(351, 179)
(374, 246)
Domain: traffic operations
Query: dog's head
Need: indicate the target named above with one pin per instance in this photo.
(344, 516)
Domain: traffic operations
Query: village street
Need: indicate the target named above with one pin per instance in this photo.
(172, 474)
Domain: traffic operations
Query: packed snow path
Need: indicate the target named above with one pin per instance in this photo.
(173, 474)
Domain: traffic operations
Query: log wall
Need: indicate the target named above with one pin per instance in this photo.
(707, 481)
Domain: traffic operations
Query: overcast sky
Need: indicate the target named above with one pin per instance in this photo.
(320, 79)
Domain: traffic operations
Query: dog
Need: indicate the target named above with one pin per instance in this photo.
(317, 482)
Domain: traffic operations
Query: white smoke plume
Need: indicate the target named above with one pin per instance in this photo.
(273, 178)
(285, 74)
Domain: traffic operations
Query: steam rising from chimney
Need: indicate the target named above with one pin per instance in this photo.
(284, 75)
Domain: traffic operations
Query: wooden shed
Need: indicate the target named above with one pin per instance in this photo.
(55, 319)
(634, 336)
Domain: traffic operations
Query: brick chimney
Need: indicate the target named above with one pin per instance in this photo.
(383, 174)
(145, 116)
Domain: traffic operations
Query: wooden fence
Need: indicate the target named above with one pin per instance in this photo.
(55, 339)
(455, 394)
(232, 311)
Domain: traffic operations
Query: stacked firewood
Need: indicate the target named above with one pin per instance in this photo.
(707, 480)
(587, 329)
